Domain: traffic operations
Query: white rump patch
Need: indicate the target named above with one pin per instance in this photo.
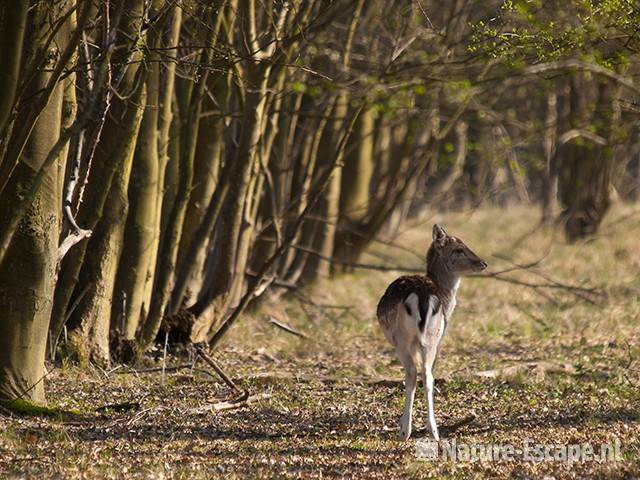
(412, 305)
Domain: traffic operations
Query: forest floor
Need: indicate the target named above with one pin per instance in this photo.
(530, 365)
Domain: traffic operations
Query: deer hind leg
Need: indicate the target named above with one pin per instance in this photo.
(428, 360)
(410, 377)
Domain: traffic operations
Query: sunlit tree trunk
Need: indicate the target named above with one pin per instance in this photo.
(144, 200)
(168, 251)
(200, 237)
(240, 174)
(28, 272)
(104, 166)
(295, 261)
(550, 176)
(90, 321)
(208, 161)
(165, 121)
(329, 207)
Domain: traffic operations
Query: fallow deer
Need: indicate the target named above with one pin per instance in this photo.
(414, 312)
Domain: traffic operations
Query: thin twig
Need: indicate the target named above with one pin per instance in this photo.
(164, 357)
(287, 328)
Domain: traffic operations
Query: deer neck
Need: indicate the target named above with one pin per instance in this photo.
(446, 280)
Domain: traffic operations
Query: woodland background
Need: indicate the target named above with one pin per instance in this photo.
(165, 164)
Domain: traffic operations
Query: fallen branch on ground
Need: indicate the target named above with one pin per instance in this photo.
(212, 363)
(244, 401)
(287, 328)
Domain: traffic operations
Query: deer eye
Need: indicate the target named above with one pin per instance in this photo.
(459, 250)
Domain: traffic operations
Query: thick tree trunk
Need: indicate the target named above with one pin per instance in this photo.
(103, 169)
(28, 271)
(587, 159)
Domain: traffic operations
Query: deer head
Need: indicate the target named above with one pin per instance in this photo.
(450, 256)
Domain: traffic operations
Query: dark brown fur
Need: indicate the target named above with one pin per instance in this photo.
(398, 291)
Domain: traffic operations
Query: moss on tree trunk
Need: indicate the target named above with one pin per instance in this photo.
(28, 272)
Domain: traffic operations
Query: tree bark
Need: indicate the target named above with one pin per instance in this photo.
(329, 207)
(165, 120)
(144, 200)
(587, 159)
(358, 170)
(550, 175)
(105, 164)
(90, 321)
(170, 243)
(13, 21)
(28, 272)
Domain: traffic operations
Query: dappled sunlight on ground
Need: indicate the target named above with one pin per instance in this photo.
(549, 364)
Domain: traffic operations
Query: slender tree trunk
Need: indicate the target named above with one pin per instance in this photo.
(202, 236)
(169, 248)
(440, 192)
(208, 161)
(90, 321)
(358, 170)
(550, 176)
(513, 168)
(415, 155)
(104, 166)
(144, 200)
(329, 208)
(13, 18)
(230, 221)
(165, 120)
(295, 262)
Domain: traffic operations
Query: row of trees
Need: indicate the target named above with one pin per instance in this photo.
(166, 162)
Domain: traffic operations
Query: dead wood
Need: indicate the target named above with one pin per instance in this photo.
(212, 363)
(244, 401)
(287, 328)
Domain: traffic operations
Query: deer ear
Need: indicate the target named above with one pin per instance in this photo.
(438, 233)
